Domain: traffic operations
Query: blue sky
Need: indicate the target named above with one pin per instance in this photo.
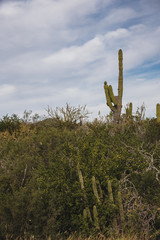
(54, 52)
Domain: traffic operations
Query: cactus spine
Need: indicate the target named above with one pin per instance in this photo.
(158, 112)
(115, 102)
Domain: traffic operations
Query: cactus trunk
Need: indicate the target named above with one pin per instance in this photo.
(120, 79)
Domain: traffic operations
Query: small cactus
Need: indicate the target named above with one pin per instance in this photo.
(86, 211)
(120, 204)
(80, 177)
(115, 102)
(110, 193)
(95, 191)
(158, 112)
(95, 216)
(129, 110)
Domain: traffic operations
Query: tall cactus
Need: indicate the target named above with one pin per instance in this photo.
(158, 112)
(115, 102)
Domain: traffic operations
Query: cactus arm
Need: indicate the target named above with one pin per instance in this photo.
(158, 112)
(109, 103)
(112, 97)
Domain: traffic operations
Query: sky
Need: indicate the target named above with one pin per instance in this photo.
(54, 52)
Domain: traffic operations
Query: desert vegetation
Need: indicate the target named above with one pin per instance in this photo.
(65, 177)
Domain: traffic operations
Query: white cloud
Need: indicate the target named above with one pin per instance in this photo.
(119, 33)
(144, 46)
(88, 52)
(62, 51)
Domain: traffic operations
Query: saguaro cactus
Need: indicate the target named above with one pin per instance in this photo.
(158, 112)
(115, 102)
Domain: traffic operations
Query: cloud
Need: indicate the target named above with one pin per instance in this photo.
(77, 55)
(143, 46)
(53, 52)
(34, 19)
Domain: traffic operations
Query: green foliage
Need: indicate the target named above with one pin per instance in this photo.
(62, 176)
(9, 123)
